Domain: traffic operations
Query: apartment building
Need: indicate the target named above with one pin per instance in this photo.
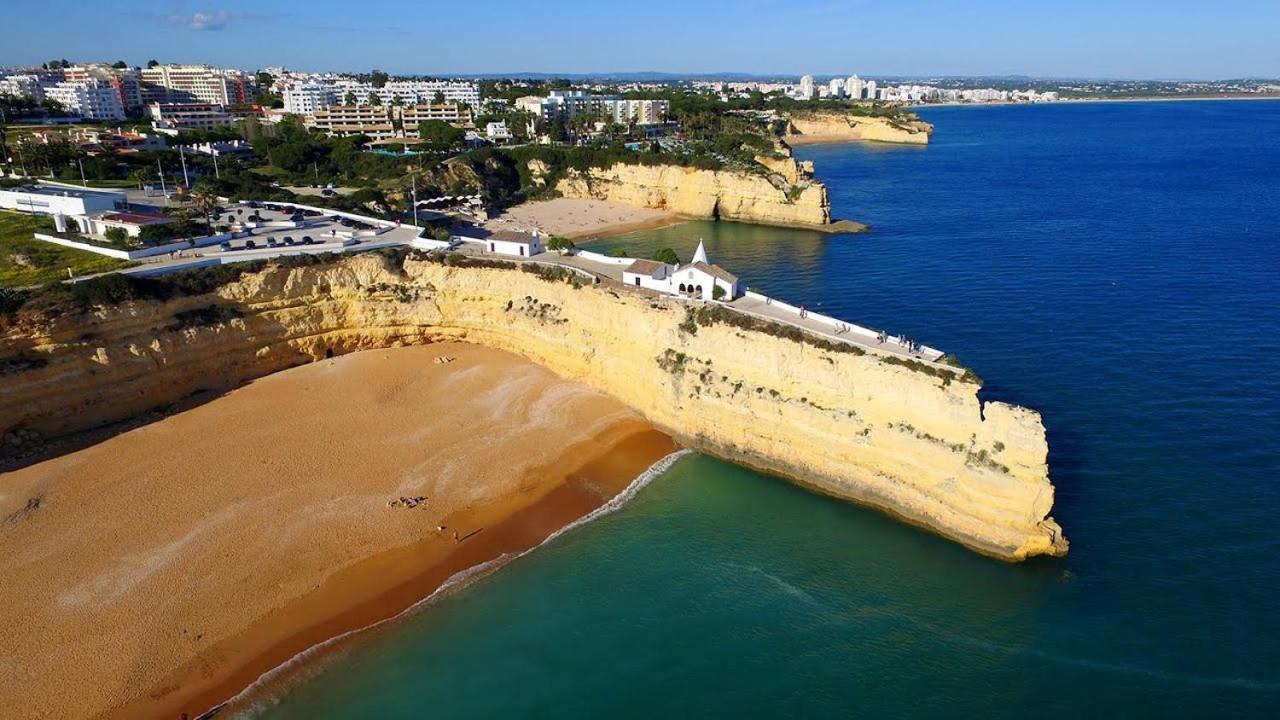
(127, 82)
(452, 113)
(194, 84)
(90, 99)
(344, 120)
(307, 98)
(173, 117)
(566, 104)
(22, 86)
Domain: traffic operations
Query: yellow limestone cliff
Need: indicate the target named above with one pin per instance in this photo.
(838, 127)
(912, 440)
(765, 197)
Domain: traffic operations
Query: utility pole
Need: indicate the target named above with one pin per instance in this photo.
(83, 182)
(216, 173)
(186, 181)
(413, 177)
(163, 190)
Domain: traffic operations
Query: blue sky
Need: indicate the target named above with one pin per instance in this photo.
(1080, 38)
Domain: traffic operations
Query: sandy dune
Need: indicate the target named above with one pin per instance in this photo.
(163, 569)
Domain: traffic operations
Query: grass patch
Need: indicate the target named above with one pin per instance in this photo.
(26, 261)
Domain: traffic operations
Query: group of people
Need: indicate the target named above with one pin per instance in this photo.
(911, 345)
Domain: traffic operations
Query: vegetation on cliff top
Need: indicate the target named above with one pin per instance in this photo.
(26, 261)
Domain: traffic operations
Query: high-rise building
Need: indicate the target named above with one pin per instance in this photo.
(870, 91)
(90, 99)
(854, 87)
(126, 81)
(194, 83)
(835, 88)
(806, 87)
(565, 104)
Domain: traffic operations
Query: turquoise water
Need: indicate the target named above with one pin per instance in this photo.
(1115, 266)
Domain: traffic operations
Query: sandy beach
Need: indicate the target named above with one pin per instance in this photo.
(165, 569)
(580, 218)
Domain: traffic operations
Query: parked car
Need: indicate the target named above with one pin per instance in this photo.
(254, 204)
(307, 239)
(326, 192)
(224, 246)
(288, 241)
(250, 245)
(271, 242)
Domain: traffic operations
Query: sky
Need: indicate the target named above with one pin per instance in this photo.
(1133, 39)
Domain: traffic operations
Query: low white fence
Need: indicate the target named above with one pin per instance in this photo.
(605, 259)
(140, 252)
(839, 328)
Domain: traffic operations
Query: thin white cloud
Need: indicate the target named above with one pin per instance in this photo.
(205, 20)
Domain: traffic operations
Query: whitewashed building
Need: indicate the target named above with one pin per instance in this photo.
(697, 279)
(508, 242)
(56, 200)
(649, 274)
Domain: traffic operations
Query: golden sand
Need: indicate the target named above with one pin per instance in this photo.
(166, 568)
(580, 218)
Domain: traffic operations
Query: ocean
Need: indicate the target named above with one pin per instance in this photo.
(1115, 266)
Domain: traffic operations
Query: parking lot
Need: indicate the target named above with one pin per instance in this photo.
(277, 226)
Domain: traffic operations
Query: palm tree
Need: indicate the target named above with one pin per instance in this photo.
(140, 176)
(205, 200)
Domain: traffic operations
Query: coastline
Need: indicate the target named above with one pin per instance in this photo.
(336, 561)
(1088, 101)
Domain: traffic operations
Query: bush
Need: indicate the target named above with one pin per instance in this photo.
(666, 255)
(717, 293)
(116, 235)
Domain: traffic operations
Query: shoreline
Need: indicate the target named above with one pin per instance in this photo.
(270, 564)
(1088, 101)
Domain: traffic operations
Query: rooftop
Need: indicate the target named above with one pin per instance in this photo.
(645, 267)
(57, 191)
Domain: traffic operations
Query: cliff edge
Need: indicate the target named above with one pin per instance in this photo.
(907, 437)
(818, 127)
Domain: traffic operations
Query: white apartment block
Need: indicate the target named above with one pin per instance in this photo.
(90, 99)
(126, 81)
(22, 86)
(806, 87)
(407, 92)
(194, 84)
(307, 98)
(563, 105)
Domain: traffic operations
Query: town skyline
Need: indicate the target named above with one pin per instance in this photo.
(1091, 40)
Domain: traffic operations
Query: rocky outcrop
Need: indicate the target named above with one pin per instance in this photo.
(759, 197)
(910, 438)
(842, 127)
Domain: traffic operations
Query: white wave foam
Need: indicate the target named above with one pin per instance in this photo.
(253, 707)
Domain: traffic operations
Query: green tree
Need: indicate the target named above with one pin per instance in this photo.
(439, 133)
(350, 98)
(618, 253)
(204, 198)
(119, 65)
(563, 244)
(442, 234)
(377, 78)
(717, 292)
(666, 255)
(152, 63)
(375, 99)
(438, 98)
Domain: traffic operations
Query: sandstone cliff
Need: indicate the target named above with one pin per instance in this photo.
(911, 439)
(766, 197)
(836, 127)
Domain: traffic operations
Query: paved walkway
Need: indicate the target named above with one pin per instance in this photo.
(855, 335)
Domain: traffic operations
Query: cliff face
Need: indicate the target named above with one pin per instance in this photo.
(917, 444)
(835, 127)
(732, 195)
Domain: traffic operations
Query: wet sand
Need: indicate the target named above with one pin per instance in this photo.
(578, 218)
(165, 569)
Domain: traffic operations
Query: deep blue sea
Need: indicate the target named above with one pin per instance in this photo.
(1117, 267)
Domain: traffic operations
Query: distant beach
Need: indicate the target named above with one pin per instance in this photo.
(1082, 101)
(578, 218)
(165, 569)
